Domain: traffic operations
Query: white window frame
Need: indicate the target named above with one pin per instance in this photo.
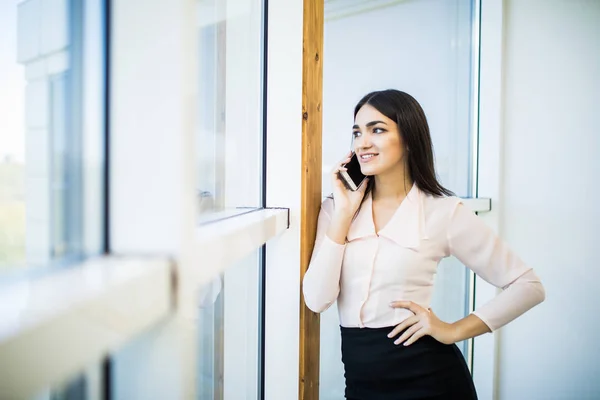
(284, 166)
(485, 361)
(139, 303)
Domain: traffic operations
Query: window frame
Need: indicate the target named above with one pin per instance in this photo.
(168, 275)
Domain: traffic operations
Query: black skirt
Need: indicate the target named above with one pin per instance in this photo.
(377, 369)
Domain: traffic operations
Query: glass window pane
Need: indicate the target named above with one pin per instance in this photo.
(51, 143)
(12, 143)
(85, 384)
(230, 104)
(52, 125)
(424, 48)
(229, 343)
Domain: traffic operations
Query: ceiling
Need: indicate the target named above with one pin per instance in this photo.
(338, 9)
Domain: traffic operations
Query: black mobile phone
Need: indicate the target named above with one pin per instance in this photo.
(353, 177)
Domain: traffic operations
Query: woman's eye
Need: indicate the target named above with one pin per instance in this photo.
(378, 130)
(356, 134)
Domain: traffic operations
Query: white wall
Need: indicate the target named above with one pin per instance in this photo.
(550, 212)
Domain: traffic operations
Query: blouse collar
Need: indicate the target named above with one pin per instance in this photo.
(406, 227)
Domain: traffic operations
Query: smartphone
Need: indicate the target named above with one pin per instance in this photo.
(353, 177)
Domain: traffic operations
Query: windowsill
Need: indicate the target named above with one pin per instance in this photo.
(219, 245)
(212, 217)
(74, 316)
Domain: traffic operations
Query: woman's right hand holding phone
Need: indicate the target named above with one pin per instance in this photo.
(346, 203)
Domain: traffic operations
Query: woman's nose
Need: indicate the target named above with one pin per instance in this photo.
(362, 142)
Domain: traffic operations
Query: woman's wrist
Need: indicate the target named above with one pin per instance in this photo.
(343, 214)
(469, 327)
(339, 226)
(455, 332)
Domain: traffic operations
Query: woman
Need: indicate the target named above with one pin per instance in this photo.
(377, 251)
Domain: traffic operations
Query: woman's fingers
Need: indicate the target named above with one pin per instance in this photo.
(418, 335)
(409, 305)
(408, 333)
(346, 159)
(363, 186)
(339, 166)
(402, 326)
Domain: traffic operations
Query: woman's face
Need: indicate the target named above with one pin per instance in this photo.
(377, 142)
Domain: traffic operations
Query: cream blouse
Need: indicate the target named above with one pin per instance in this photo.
(400, 262)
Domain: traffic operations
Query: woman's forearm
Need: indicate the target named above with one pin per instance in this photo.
(469, 327)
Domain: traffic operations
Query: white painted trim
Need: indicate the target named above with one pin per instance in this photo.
(55, 326)
(284, 166)
(479, 205)
(490, 180)
(221, 244)
(475, 93)
(93, 143)
(152, 181)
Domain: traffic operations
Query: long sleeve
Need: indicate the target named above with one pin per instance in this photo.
(321, 284)
(477, 246)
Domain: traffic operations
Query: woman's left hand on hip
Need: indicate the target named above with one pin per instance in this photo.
(424, 322)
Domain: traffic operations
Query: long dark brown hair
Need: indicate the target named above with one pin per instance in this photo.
(414, 130)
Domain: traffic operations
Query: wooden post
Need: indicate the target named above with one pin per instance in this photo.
(312, 125)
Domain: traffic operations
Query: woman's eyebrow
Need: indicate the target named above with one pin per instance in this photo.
(370, 124)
